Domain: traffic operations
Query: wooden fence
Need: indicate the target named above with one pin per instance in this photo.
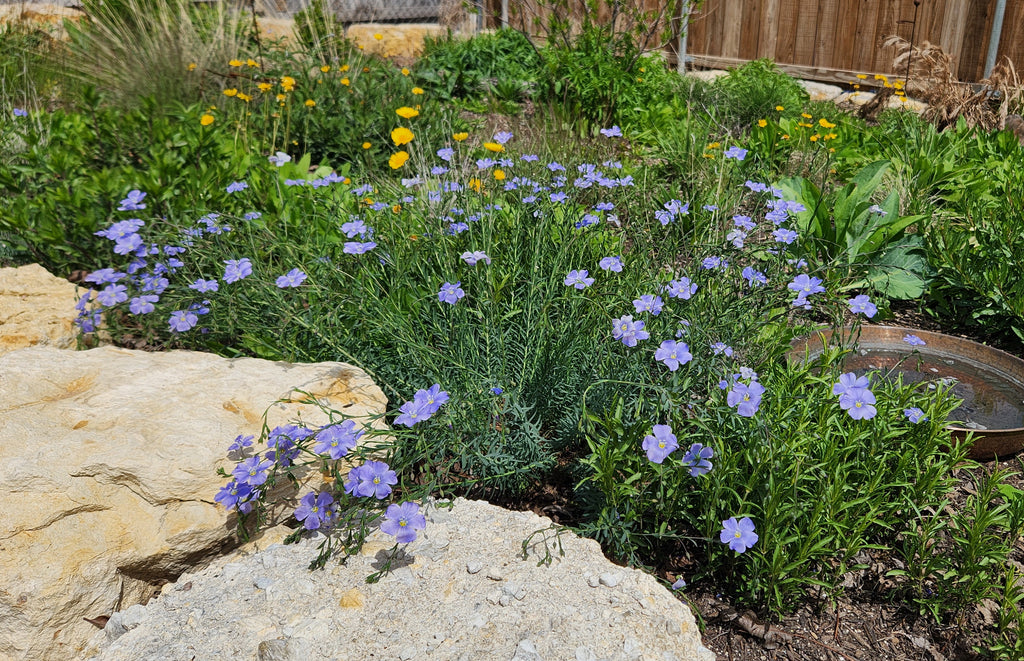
(834, 40)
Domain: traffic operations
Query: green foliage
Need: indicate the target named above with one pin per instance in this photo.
(752, 91)
(503, 63)
(866, 241)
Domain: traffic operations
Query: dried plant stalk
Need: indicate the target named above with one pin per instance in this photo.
(932, 80)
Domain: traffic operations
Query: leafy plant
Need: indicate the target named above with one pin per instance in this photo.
(867, 242)
(752, 91)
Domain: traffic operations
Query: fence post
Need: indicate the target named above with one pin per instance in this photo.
(994, 37)
(684, 22)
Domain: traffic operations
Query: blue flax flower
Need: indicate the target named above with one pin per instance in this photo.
(754, 277)
(233, 493)
(629, 331)
(133, 202)
(112, 295)
(862, 304)
(611, 264)
(142, 304)
(858, 403)
(735, 152)
(914, 340)
(412, 413)
(673, 354)
(450, 293)
(252, 471)
(805, 285)
(237, 186)
(374, 478)
(293, 278)
(783, 235)
(182, 320)
(915, 415)
(850, 381)
(681, 288)
(432, 399)
(472, 258)
(746, 398)
(203, 286)
(104, 276)
(739, 535)
(337, 440)
(613, 132)
(578, 279)
(649, 303)
(315, 509)
(661, 444)
(403, 521)
(358, 248)
(697, 459)
(237, 269)
(720, 348)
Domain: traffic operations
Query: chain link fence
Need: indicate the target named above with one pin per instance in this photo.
(361, 11)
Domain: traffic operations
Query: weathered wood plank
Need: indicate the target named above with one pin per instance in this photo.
(864, 45)
(825, 34)
(846, 34)
(750, 29)
(732, 27)
(768, 33)
(806, 27)
(785, 44)
(837, 76)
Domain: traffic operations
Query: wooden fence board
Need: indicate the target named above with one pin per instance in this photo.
(768, 32)
(846, 35)
(788, 10)
(825, 32)
(732, 27)
(750, 30)
(806, 26)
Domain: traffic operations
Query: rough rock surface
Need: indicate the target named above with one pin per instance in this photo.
(36, 308)
(403, 41)
(821, 91)
(461, 591)
(107, 466)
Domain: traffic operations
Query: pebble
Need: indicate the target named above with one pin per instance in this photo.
(610, 579)
(474, 567)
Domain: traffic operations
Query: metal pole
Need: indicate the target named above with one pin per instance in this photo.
(993, 38)
(504, 13)
(684, 24)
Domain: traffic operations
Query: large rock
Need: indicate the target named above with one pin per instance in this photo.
(403, 41)
(462, 590)
(107, 466)
(36, 308)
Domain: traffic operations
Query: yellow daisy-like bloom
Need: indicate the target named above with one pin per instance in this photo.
(406, 112)
(713, 145)
(396, 208)
(206, 120)
(378, 36)
(459, 137)
(882, 78)
(344, 81)
(805, 125)
(856, 87)
(310, 103)
(325, 68)
(401, 136)
(779, 108)
(405, 72)
(898, 84)
(785, 136)
(825, 124)
(287, 81)
(280, 97)
(814, 138)
(192, 66)
(366, 69)
(762, 123)
(343, 68)
(475, 184)
(252, 63)
(707, 155)
(806, 116)
(264, 87)
(346, 181)
(499, 175)
(494, 146)
(235, 63)
(244, 97)
(230, 92)
(398, 160)
(417, 90)
(862, 76)
(366, 145)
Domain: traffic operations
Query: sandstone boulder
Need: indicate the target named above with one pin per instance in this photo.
(107, 466)
(463, 590)
(402, 41)
(36, 308)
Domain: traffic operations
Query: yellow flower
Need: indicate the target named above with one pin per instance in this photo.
(346, 181)
(882, 78)
(814, 138)
(805, 125)
(396, 209)
(459, 137)
(499, 175)
(898, 84)
(366, 145)
(325, 68)
(378, 36)
(707, 155)
(862, 76)
(252, 63)
(192, 66)
(417, 90)
(310, 103)
(366, 69)
(235, 63)
(343, 68)
(805, 115)
(401, 136)
(405, 72)
(825, 124)
(398, 160)
(475, 184)
(779, 108)
(287, 81)
(785, 136)
(206, 120)
(264, 87)
(713, 145)
(494, 146)
(856, 87)
(244, 97)
(344, 81)
(280, 97)
(406, 112)
(762, 123)
(230, 92)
